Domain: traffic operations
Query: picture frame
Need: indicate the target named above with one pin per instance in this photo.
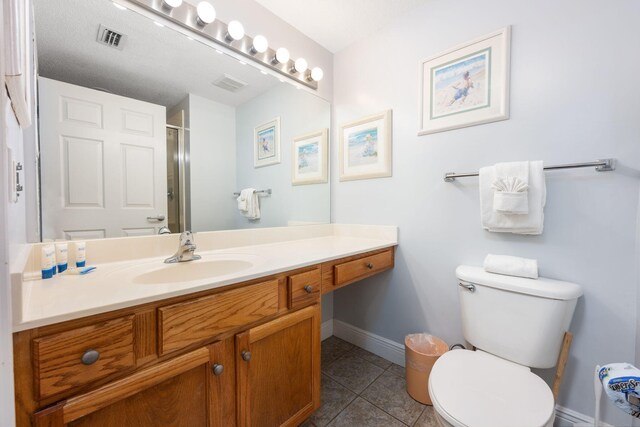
(309, 158)
(467, 85)
(266, 143)
(365, 147)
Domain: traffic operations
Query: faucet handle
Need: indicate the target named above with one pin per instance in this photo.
(186, 238)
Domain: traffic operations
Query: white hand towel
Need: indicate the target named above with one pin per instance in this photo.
(511, 185)
(510, 196)
(531, 223)
(252, 210)
(243, 197)
(511, 266)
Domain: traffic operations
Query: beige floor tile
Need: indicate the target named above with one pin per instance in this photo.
(427, 419)
(389, 393)
(334, 399)
(371, 358)
(353, 373)
(361, 413)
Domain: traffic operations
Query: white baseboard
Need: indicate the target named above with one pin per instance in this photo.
(326, 329)
(394, 352)
(566, 417)
(376, 344)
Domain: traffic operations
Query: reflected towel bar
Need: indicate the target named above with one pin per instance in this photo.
(267, 192)
(603, 165)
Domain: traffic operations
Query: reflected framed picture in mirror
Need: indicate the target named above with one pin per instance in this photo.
(365, 147)
(266, 143)
(309, 154)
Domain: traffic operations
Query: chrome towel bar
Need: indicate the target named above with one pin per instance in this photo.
(603, 165)
(267, 192)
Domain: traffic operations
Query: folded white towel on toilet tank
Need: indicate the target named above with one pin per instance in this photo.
(511, 266)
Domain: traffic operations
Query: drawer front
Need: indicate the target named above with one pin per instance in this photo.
(190, 322)
(358, 269)
(58, 358)
(304, 288)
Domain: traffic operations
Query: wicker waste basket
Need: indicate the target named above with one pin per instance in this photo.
(421, 352)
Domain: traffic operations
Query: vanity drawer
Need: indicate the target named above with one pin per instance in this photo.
(358, 269)
(194, 321)
(58, 358)
(304, 288)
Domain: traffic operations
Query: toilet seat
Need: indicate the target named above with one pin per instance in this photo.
(474, 389)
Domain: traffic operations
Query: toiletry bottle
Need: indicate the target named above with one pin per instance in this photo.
(47, 260)
(81, 254)
(55, 264)
(62, 256)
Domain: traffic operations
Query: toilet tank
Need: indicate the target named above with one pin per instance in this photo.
(519, 319)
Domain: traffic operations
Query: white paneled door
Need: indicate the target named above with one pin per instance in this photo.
(103, 163)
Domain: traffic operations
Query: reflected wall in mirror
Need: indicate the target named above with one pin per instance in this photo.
(142, 127)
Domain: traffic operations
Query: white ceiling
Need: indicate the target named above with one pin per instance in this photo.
(335, 24)
(156, 65)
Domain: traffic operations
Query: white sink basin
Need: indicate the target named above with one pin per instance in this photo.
(193, 270)
(211, 266)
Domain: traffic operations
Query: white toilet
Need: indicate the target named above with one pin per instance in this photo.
(515, 324)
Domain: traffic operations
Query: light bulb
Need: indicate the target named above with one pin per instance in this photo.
(170, 4)
(260, 45)
(235, 31)
(300, 66)
(282, 56)
(206, 13)
(317, 74)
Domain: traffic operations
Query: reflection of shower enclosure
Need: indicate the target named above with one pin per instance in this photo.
(173, 180)
(177, 176)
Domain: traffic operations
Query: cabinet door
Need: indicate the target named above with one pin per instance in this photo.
(278, 370)
(178, 392)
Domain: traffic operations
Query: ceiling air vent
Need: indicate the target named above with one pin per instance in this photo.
(110, 37)
(230, 83)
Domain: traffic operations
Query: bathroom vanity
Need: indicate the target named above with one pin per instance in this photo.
(240, 348)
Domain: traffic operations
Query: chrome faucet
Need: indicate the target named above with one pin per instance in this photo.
(185, 250)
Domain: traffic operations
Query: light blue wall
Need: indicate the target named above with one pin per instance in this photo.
(212, 141)
(300, 113)
(573, 98)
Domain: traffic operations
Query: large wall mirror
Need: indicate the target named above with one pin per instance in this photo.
(144, 129)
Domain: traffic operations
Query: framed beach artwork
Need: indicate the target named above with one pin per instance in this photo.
(365, 147)
(266, 143)
(310, 154)
(467, 85)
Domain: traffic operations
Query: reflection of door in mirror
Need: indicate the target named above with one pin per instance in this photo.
(105, 173)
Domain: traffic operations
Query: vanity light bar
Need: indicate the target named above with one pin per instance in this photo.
(202, 20)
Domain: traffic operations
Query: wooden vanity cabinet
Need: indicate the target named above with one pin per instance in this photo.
(243, 355)
(278, 370)
(183, 391)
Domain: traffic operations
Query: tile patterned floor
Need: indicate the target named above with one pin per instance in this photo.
(360, 389)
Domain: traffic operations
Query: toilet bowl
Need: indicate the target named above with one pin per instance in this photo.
(516, 324)
(477, 389)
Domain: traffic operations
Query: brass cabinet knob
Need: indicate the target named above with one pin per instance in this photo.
(370, 266)
(90, 357)
(308, 289)
(218, 369)
(246, 355)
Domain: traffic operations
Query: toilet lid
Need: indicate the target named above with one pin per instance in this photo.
(473, 388)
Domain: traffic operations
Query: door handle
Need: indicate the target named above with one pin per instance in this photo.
(158, 218)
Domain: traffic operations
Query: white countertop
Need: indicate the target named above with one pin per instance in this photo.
(113, 285)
